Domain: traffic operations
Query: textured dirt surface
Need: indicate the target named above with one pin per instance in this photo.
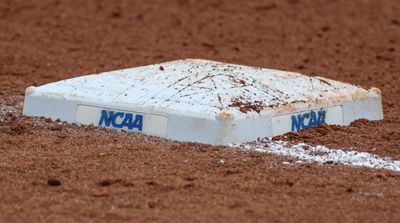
(51, 171)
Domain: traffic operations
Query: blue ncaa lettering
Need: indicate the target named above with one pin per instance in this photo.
(121, 120)
(306, 120)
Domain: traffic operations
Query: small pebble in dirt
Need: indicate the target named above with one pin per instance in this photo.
(151, 204)
(329, 162)
(349, 190)
(116, 15)
(55, 128)
(53, 182)
(290, 183)
(254, 154)
(104, 183)
(325, 28)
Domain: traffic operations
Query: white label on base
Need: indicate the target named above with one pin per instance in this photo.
(122, 120)
(302, 120)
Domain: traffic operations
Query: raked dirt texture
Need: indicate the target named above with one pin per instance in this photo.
(53, 171)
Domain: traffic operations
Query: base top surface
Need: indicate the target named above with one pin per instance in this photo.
(201, 86)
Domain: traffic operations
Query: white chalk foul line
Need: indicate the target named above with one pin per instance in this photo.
(4, 109)
(322, 154)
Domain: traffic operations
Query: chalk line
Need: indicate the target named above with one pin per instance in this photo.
(321, 154)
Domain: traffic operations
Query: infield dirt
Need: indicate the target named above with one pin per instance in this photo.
(51, 171)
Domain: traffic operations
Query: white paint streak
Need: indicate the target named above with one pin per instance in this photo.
(322, 154)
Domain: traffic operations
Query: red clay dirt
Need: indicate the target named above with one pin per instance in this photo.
(51, 171)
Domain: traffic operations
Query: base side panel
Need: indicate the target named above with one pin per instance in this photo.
(190, 127)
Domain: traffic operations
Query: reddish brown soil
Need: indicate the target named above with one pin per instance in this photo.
(247, 107)
(56, 172)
